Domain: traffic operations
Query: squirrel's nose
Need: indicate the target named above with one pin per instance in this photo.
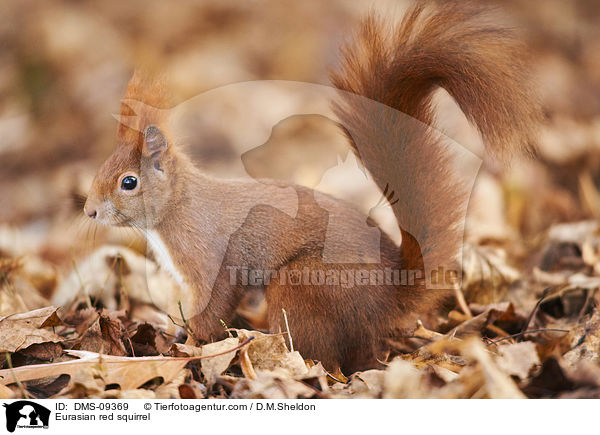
(90, 211)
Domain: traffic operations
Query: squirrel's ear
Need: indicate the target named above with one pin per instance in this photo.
(154, 141)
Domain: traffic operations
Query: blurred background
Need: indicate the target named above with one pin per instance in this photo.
(64, 66)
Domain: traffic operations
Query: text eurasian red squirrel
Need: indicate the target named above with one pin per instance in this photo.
(150, 183)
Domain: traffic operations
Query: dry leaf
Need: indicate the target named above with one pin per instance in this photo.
(368, 382)
(585, 341)
(144, 341)
(170, 390)
(403, 380)
(103, 337)
(269, 352)
(19, 331)
(84, 382)
(6, 393)
(486, 274)
(213, 367)
(40, 274)
(518, 359)
(111, 270)
(183, 350)
(476, 325)
(127, 372)
(140, 393)
(269, 385)
(497, 384)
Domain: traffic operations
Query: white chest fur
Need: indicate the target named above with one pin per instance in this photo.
(161, 252)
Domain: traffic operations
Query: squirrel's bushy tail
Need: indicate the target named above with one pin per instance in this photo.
(480, 64)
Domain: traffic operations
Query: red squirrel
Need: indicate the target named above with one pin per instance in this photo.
(150, 183)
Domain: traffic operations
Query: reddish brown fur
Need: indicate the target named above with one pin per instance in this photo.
(209, 224)
(144, 104)
(481, 65)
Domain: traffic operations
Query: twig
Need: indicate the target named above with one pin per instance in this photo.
(246, 365)
(130, 344)
(185, 325)
(460, 299)
(495, 329)
(490, 327)
(424, 333)
(226, 328)
(181, 312)
(18, 382)
(588, 300)
(534, 311)
(518, 334)
(287, 327)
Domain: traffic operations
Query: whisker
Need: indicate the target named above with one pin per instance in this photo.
(78, 200)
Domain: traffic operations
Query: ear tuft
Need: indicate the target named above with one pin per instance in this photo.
(154, 140)
(146, 102)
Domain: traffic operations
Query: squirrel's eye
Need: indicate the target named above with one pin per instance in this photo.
(129, 183)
